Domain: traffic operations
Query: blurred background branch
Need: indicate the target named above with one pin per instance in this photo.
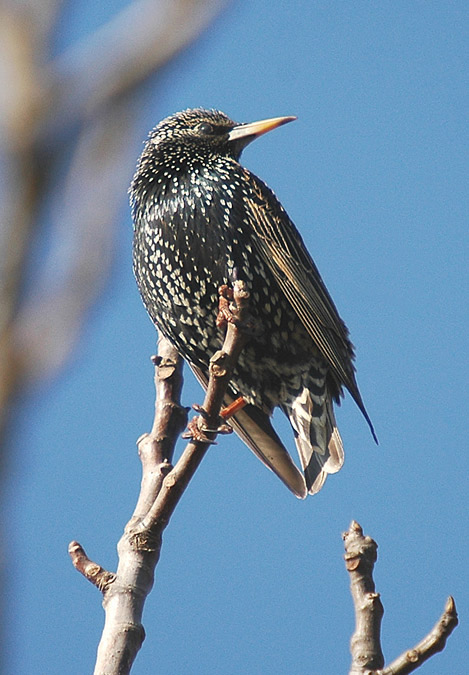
(68, 128)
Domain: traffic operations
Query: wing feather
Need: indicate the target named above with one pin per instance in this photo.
(283, 251)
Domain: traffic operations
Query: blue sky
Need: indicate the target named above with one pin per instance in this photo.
(374, 174)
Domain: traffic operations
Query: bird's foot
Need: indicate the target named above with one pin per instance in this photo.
(196, 432)
(199, 426)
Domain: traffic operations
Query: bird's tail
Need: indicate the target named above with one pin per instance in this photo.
(317, 438)
(253, 426)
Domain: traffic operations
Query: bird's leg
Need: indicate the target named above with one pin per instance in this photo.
(233, 408)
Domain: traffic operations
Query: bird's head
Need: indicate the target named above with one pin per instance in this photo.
(197, 133)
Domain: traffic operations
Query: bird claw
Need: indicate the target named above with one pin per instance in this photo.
(196, 431)
(222, 429)
(197, 427)
(201, 410)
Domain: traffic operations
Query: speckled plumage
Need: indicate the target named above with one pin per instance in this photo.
(202, 220)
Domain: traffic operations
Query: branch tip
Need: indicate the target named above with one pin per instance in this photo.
(450, 607)
(166, 367)
(356, 527)
(432, 643)
(365, 645)
(96, 574)
(230, 410)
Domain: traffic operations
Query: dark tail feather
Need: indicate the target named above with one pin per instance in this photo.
(359, 401)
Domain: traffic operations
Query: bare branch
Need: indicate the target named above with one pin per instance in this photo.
(365, 645)
(162, 487)
(432, 643)
(82, 242)
(221, 368)
(156, 448)
(96, 574)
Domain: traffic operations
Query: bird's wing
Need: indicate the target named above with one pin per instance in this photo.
(253, 426)
(283, 251)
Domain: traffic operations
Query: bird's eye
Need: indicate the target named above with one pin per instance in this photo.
(204, 128)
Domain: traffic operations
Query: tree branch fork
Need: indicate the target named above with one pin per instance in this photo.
(365, 645)
(163, 484)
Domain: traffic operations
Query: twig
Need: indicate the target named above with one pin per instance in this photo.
(432, 643)
(162, 487)
(98, 576)
(156, 448)
(365, 645)
(221, 368)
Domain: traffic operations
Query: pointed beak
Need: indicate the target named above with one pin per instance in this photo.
(245, 133)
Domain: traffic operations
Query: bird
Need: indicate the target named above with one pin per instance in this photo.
(202, 220)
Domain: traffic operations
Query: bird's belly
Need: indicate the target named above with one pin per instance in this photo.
(183, 303)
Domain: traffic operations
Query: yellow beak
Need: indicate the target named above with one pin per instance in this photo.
(248, 132)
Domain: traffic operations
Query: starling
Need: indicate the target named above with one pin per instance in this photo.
(202, 220)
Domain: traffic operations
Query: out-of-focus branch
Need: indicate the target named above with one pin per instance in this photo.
(365, 646)
(117, 57)
(67, 139)
(20, 177)
(83, 218)
(161, 488)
